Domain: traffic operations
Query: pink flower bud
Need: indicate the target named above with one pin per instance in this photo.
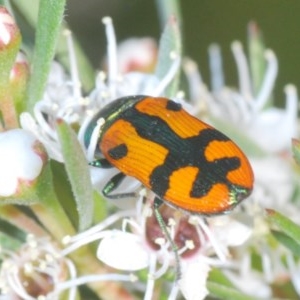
(20, 69)
(22, 158)
(9, 30)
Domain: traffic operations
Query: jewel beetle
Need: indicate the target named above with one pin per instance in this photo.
(187, 163)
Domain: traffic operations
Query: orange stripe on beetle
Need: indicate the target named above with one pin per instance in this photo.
(135, 162)
(218, 150)
(184, 161)
(172, 113)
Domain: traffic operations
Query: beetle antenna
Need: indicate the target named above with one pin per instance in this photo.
(163, 227)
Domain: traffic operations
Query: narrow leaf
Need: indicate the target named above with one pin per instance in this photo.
(48, 28)
(100, 208)
(28, 9)
(285, 225)
(287, 242)
(12, 231)
(256, 56)
(216, 275)
(169, 50)
(166, 9)
(9, 242)
(64, 192)
(227, 293)
(78, 173)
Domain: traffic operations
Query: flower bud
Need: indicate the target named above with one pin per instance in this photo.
(10, 39)
(22, 158)
(137, 55)
(19, 75)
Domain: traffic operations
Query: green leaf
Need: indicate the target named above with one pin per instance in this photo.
(48, 28)
(100, 208)
(216, 275)
(64, 191)
(285, 225)
(12, 231)
(49, 210)
(9, 242)
(257, 59)
(78, 173)
(287, 242)
(227, 293)
(170, 44)
(166, 9)
(29, 10)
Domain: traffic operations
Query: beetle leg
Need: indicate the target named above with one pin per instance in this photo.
(112, 184)
(157, 203)
(102, 163)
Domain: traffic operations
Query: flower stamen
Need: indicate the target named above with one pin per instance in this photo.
(268, 82)
(216, 68)
(111, 55)
(243, 70)
(76, 84)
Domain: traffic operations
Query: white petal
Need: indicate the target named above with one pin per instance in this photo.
(193, 281)
(123, 251)
(18, 160)
(136, 83)
(273, 120)
(230, 231)
(274, 180)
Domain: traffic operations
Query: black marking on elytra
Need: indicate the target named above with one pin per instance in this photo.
(182, 152)
(109, 113)
(118, 152)
(171, 105)
(203, 181)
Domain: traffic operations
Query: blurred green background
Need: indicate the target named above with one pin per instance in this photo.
(204, 22)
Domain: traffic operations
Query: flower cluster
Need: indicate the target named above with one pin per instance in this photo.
(45, 198)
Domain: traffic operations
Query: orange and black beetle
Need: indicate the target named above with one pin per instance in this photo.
(184, 161)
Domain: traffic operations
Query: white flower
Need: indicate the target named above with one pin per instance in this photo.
(115, 84)
(140, 244)
(193, 282)
(269, 127)
(132, 256)
(21, 158)
(232, 230)
(252, 116)
(62, 100)
(273, 183)
(63, 97)
(34, 271)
